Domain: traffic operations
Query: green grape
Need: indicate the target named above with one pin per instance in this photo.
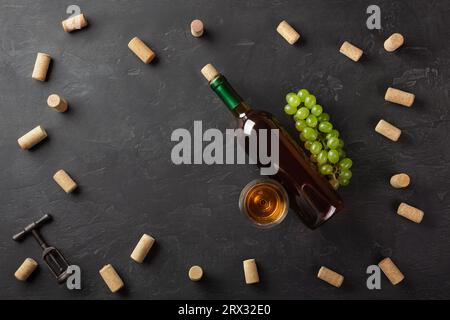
(302, 137)
(290, 110)
(345, 174)
(324, 117)
(342, 153)
(302, 94)
(308, 145)
(343, 181)
(290, 96)
(310, 101)
(316, 147)
(333, 143)
(300, 125)
(319, 137)
(302, 113)
(346, 163)
(333, 156)
(310, 134)
(311, 121)
(293, 100)
(333, 133)
(325, 127)
(326, 169)
(322, 157)
(317, 110)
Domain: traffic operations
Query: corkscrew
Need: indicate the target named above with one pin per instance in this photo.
(52, 257)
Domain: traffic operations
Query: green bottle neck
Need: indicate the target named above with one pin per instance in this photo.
(226, 93)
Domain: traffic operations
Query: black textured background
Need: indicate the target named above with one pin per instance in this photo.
(115, 142)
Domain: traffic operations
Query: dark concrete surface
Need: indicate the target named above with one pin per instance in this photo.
(115, 141)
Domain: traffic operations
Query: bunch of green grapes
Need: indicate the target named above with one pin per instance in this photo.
(319, 137)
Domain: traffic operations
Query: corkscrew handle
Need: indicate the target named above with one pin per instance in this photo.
(32, 226)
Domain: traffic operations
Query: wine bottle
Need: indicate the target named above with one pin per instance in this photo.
(311, 196)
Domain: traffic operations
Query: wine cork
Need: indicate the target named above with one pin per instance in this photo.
(74, 23)
(26, 269)
(197, 28)
(400, 180)
(65, 181)
(195, 273)
(287, 32)
(209, 72)
(41, 66)
(57, 103)
(142, 248)
(32, 138)
(394, 42)
(388, 130)
(351, 51)
(251, 271)
(391, 271)
(410, 212)
(111, 278)
(400, 97)
(141, 50)
(333, 278)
